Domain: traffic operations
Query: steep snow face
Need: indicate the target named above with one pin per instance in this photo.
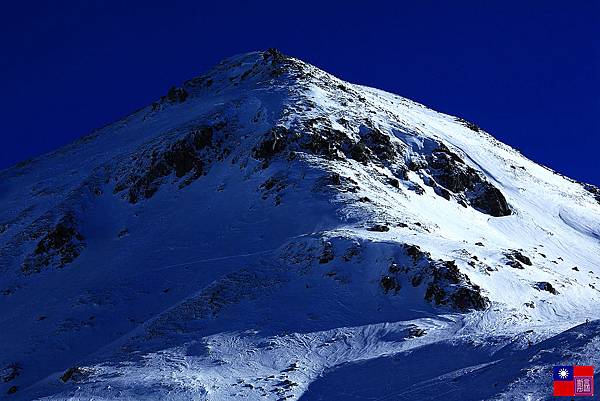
(266, 223)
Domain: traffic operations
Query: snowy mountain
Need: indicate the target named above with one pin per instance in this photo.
(270, 232)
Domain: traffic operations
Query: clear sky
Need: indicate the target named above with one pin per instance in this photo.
(526, 71)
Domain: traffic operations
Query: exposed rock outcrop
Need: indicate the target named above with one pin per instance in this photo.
(58, 247)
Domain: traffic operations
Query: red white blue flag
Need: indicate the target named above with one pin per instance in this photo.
(573, 380)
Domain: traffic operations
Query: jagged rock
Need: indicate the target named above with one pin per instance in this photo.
(10, 372)
(325, 143)
(182, 158)
(340, 183)
(415, 331)
(177, 95)
(416, 280)
(449, 173)
(202, 137)
(380, 145)
(59, 246)
(515, 258)
(468, 124)
(75, 374)
(450, 287)
(273, 143)
(273, 185)
(416, 188)
(394, 267)
(394, 182)
(278, 61)
(466, 298)
(351, 252)
(515, 264)
(390, 283)
(594, 190)
(545, 286)
(379, 228)
(490, 200)
(443, 192)
(187, 157)
(317, 137)
(327, 254)
(360, 153)
(414, 252)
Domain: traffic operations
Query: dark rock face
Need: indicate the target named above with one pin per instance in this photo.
(188, 157)
(444, 283)
(445, 171)
(465, 298)
(414, 252)
(177, 95)
(340, 183)
(10, 372)
(490, 200)
(278, 61)
(390, 283)
(318, 138)
(274, 186)
(415, 331)
(273, 143)
(450, 173)
(515, 264)
(327, 254)
(75, 374)
(59, 246)
(326, 143)
(516, 259)
(360, 153)
(546, 286)
(517, 255)
(594, 190)
(451, 287)
(380, 145)
(379, 228)
(468, 124)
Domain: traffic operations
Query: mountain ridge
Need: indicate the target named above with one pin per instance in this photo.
(270, 202)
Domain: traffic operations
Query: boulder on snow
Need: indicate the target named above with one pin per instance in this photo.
(75, 373)
(545, 286)
(516, 259)
(379, 228)
(416, 331)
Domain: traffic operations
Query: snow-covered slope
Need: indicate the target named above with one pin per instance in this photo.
(268, 231)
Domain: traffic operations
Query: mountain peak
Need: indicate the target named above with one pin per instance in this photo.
(266, 223)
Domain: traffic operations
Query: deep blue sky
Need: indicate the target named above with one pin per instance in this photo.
(527, 71)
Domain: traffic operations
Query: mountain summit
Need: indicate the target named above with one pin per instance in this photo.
(268, 231)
